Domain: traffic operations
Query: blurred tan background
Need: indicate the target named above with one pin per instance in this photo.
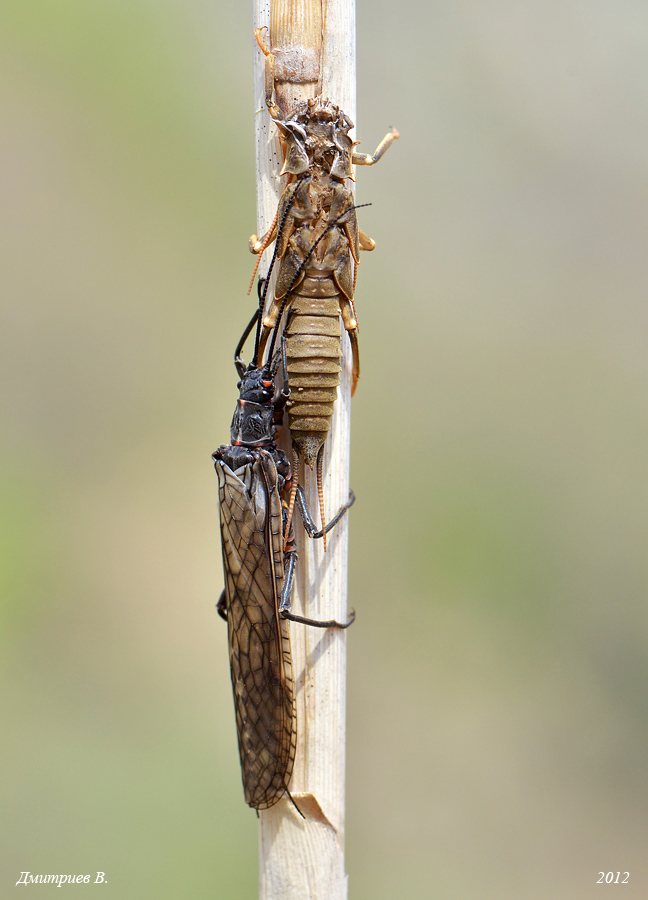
(498, 693)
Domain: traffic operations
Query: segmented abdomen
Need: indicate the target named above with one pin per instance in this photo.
(313, 360)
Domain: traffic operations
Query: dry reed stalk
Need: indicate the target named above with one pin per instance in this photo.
(300, 858)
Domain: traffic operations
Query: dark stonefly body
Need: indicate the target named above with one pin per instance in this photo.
(251, 477)
(258, 560)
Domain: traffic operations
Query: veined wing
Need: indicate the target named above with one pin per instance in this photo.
(259, 643)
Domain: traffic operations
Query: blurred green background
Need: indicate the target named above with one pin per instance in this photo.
(498, 691)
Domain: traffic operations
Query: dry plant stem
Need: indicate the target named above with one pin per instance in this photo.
(304, 858)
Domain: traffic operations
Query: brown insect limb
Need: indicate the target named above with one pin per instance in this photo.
(273, 109)
(355, 354)
(366, 243)
(256, 244)
(256, 247)
(366, 159)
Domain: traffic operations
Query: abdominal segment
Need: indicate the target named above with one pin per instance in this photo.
(313, 361)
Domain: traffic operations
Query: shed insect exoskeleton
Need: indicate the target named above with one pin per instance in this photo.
(316, 208)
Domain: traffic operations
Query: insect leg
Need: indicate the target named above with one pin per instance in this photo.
(351, 325)
(290, 560)
(302, 620)
(365, 159)
(355, 355)
(258, 245)
(366, 243)
(269, 324)
(284, 605)
(221, 606)
(273, 109)
(280, 365)
(309, 525)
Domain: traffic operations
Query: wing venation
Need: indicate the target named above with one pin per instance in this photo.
(259, 642)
